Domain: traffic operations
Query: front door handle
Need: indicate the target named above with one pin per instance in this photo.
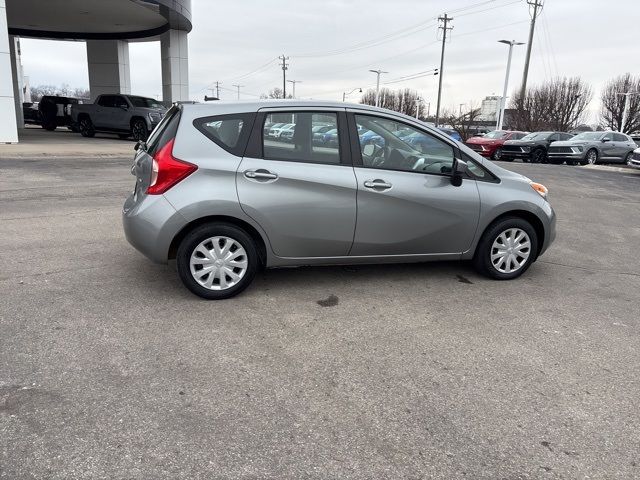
(260, 174)
(377, 184)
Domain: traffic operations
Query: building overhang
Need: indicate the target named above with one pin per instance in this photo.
(97, 19)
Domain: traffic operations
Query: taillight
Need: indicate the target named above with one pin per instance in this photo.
(168, 170)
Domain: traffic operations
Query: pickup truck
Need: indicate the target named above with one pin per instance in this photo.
(124, 115)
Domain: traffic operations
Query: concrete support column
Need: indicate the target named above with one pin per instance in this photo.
(16, 72)
(175, 65)
(8, 120)
(108, 67)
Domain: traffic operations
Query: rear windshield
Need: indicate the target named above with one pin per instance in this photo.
(164, 131)
(145, 102)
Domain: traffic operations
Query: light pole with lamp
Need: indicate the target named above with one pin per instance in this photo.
(346, 94)
(503, 100)
(378, 73)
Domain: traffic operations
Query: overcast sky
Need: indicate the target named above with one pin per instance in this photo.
(333, 44)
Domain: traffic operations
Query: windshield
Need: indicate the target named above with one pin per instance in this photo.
(588, 136)
(145, 102)
(537, 136)
(496, 134)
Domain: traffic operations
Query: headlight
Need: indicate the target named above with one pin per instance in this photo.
(483, 148)
(155, 117)
(577, 149)
(541, 189)
(526, 149)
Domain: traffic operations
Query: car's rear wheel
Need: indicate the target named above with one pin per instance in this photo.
(497, 155)
(85, 126)
(217, 261)
(507, 249)
(139, 130)
(591, 158)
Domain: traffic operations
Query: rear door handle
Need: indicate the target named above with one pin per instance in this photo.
(377, 184)
(260, 174)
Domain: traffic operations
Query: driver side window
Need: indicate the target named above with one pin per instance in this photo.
(390, 145)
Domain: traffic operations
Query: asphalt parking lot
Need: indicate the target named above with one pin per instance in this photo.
(109, 368)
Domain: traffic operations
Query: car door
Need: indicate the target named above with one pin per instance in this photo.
(302, 194)
(118, 115)
(103, 107)
(407, 204)
(608, 146)
(623, 146)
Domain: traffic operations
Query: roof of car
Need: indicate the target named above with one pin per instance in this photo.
(255, 105)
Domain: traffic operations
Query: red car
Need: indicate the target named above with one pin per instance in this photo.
(490, 145)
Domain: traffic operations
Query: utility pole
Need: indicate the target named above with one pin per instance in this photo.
(534, 12)
(378, 73)
(285, 66)
(418, 108)
(217, 89)
(625, 112)
(238, 87)
(445, 28)
(503, 101)
(293, 94)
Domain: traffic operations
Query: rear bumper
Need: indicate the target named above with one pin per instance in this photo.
(150, 224)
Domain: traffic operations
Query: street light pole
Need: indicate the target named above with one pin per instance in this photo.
(294, 86)
(503, 101)
(345, 94)
(377, 72)
(238, 87)
(625, 112)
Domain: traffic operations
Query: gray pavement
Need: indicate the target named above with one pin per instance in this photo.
(110, 369)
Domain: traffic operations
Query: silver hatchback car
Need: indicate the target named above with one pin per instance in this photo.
(222, 197)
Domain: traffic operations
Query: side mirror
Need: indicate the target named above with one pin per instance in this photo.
(124, 107)
(460, 169)
(606, 140)
(140, 145)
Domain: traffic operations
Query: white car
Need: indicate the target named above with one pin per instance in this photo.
(277, 131)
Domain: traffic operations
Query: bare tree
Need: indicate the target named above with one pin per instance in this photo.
(463, 123)
(38, 91)
(274, 93)
(612, 104)
(559, 104)
(404, 101)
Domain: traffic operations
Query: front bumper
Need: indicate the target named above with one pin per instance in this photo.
(516, 155)
(485, 152)
(634, 161)
(564, 156)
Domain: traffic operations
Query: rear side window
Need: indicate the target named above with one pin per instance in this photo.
(106, 101)
(165, 131)
(230, 132)
(618, 137)
(311, 137)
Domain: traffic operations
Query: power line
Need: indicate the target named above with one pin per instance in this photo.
(488, 9)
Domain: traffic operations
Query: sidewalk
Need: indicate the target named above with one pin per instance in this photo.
(37, 142)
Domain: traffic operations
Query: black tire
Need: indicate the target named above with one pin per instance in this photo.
(627, 159)
(497, 155)
(139, 130)
(202, 233)
(585, 160)
(85, 126)
(539, 156)
(482, 258)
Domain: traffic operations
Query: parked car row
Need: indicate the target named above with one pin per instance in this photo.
(555, 147)
(51, 112)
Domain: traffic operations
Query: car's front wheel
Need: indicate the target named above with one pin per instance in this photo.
(497, 155)
(538, 156)
(627, 159)
(217, 261)
(507, 249)
(591, 158)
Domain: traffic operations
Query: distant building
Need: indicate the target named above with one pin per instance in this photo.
(489, 108)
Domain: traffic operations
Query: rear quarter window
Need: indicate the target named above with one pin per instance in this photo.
(229, 132)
